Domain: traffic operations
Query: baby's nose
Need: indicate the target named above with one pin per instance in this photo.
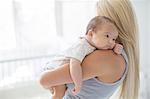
(111, 41)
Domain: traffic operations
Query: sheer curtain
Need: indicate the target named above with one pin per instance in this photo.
(27, 25)
(35, 22)
(7, 31)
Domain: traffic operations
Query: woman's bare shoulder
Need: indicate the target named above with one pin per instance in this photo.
(106, 65)
(105, 56)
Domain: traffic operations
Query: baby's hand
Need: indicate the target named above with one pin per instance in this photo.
(118, 48)
(76, 90)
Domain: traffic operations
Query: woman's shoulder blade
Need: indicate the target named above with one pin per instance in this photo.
(108, 65)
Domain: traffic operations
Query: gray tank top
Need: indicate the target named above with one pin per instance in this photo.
(95, 89)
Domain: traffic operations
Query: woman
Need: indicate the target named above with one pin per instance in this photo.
(103, 71)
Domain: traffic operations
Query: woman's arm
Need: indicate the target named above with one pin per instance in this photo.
(98, 63)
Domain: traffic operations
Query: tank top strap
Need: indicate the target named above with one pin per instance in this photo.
(126, 60)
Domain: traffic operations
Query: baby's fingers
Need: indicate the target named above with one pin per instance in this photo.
(118, 50)
(75, 91)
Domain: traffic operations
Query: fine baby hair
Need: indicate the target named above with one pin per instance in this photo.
(98, 21)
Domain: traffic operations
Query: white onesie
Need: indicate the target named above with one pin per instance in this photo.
(77, 50)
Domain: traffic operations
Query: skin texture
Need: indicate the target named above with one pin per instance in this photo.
(103, 64)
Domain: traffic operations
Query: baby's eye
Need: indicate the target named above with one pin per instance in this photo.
(114, 39)
(107, 36)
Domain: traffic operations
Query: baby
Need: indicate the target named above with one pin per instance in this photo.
(101, 34)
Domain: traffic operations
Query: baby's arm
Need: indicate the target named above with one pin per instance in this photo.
(76, 74)
(118, 48)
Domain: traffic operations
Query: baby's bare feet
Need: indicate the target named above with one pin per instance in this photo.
(76, 90)
(51, 90)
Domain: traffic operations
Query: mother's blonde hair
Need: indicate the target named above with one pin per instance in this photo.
(122, 13)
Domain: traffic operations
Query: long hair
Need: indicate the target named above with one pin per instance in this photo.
(122, 13)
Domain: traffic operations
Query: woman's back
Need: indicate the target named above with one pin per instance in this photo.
(96, 88)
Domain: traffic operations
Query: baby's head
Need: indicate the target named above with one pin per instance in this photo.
(102, 32)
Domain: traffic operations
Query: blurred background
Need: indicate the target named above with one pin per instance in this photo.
(32, 31)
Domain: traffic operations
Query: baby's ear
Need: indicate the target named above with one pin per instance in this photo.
(90, 32)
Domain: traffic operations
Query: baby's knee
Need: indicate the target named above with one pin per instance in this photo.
(43, 81)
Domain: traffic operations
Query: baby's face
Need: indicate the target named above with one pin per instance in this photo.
(105, 36)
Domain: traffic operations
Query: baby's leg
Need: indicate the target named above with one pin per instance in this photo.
(59, 91)
(51, 89)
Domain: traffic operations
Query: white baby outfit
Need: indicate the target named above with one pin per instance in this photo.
(77, 50)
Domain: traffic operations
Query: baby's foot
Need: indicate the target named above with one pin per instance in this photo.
(51, 90)
(118, 48)
(76, 90)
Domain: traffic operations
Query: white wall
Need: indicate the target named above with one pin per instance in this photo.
(142, 8)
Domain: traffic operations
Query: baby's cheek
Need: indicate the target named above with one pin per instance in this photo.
(98, 42)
